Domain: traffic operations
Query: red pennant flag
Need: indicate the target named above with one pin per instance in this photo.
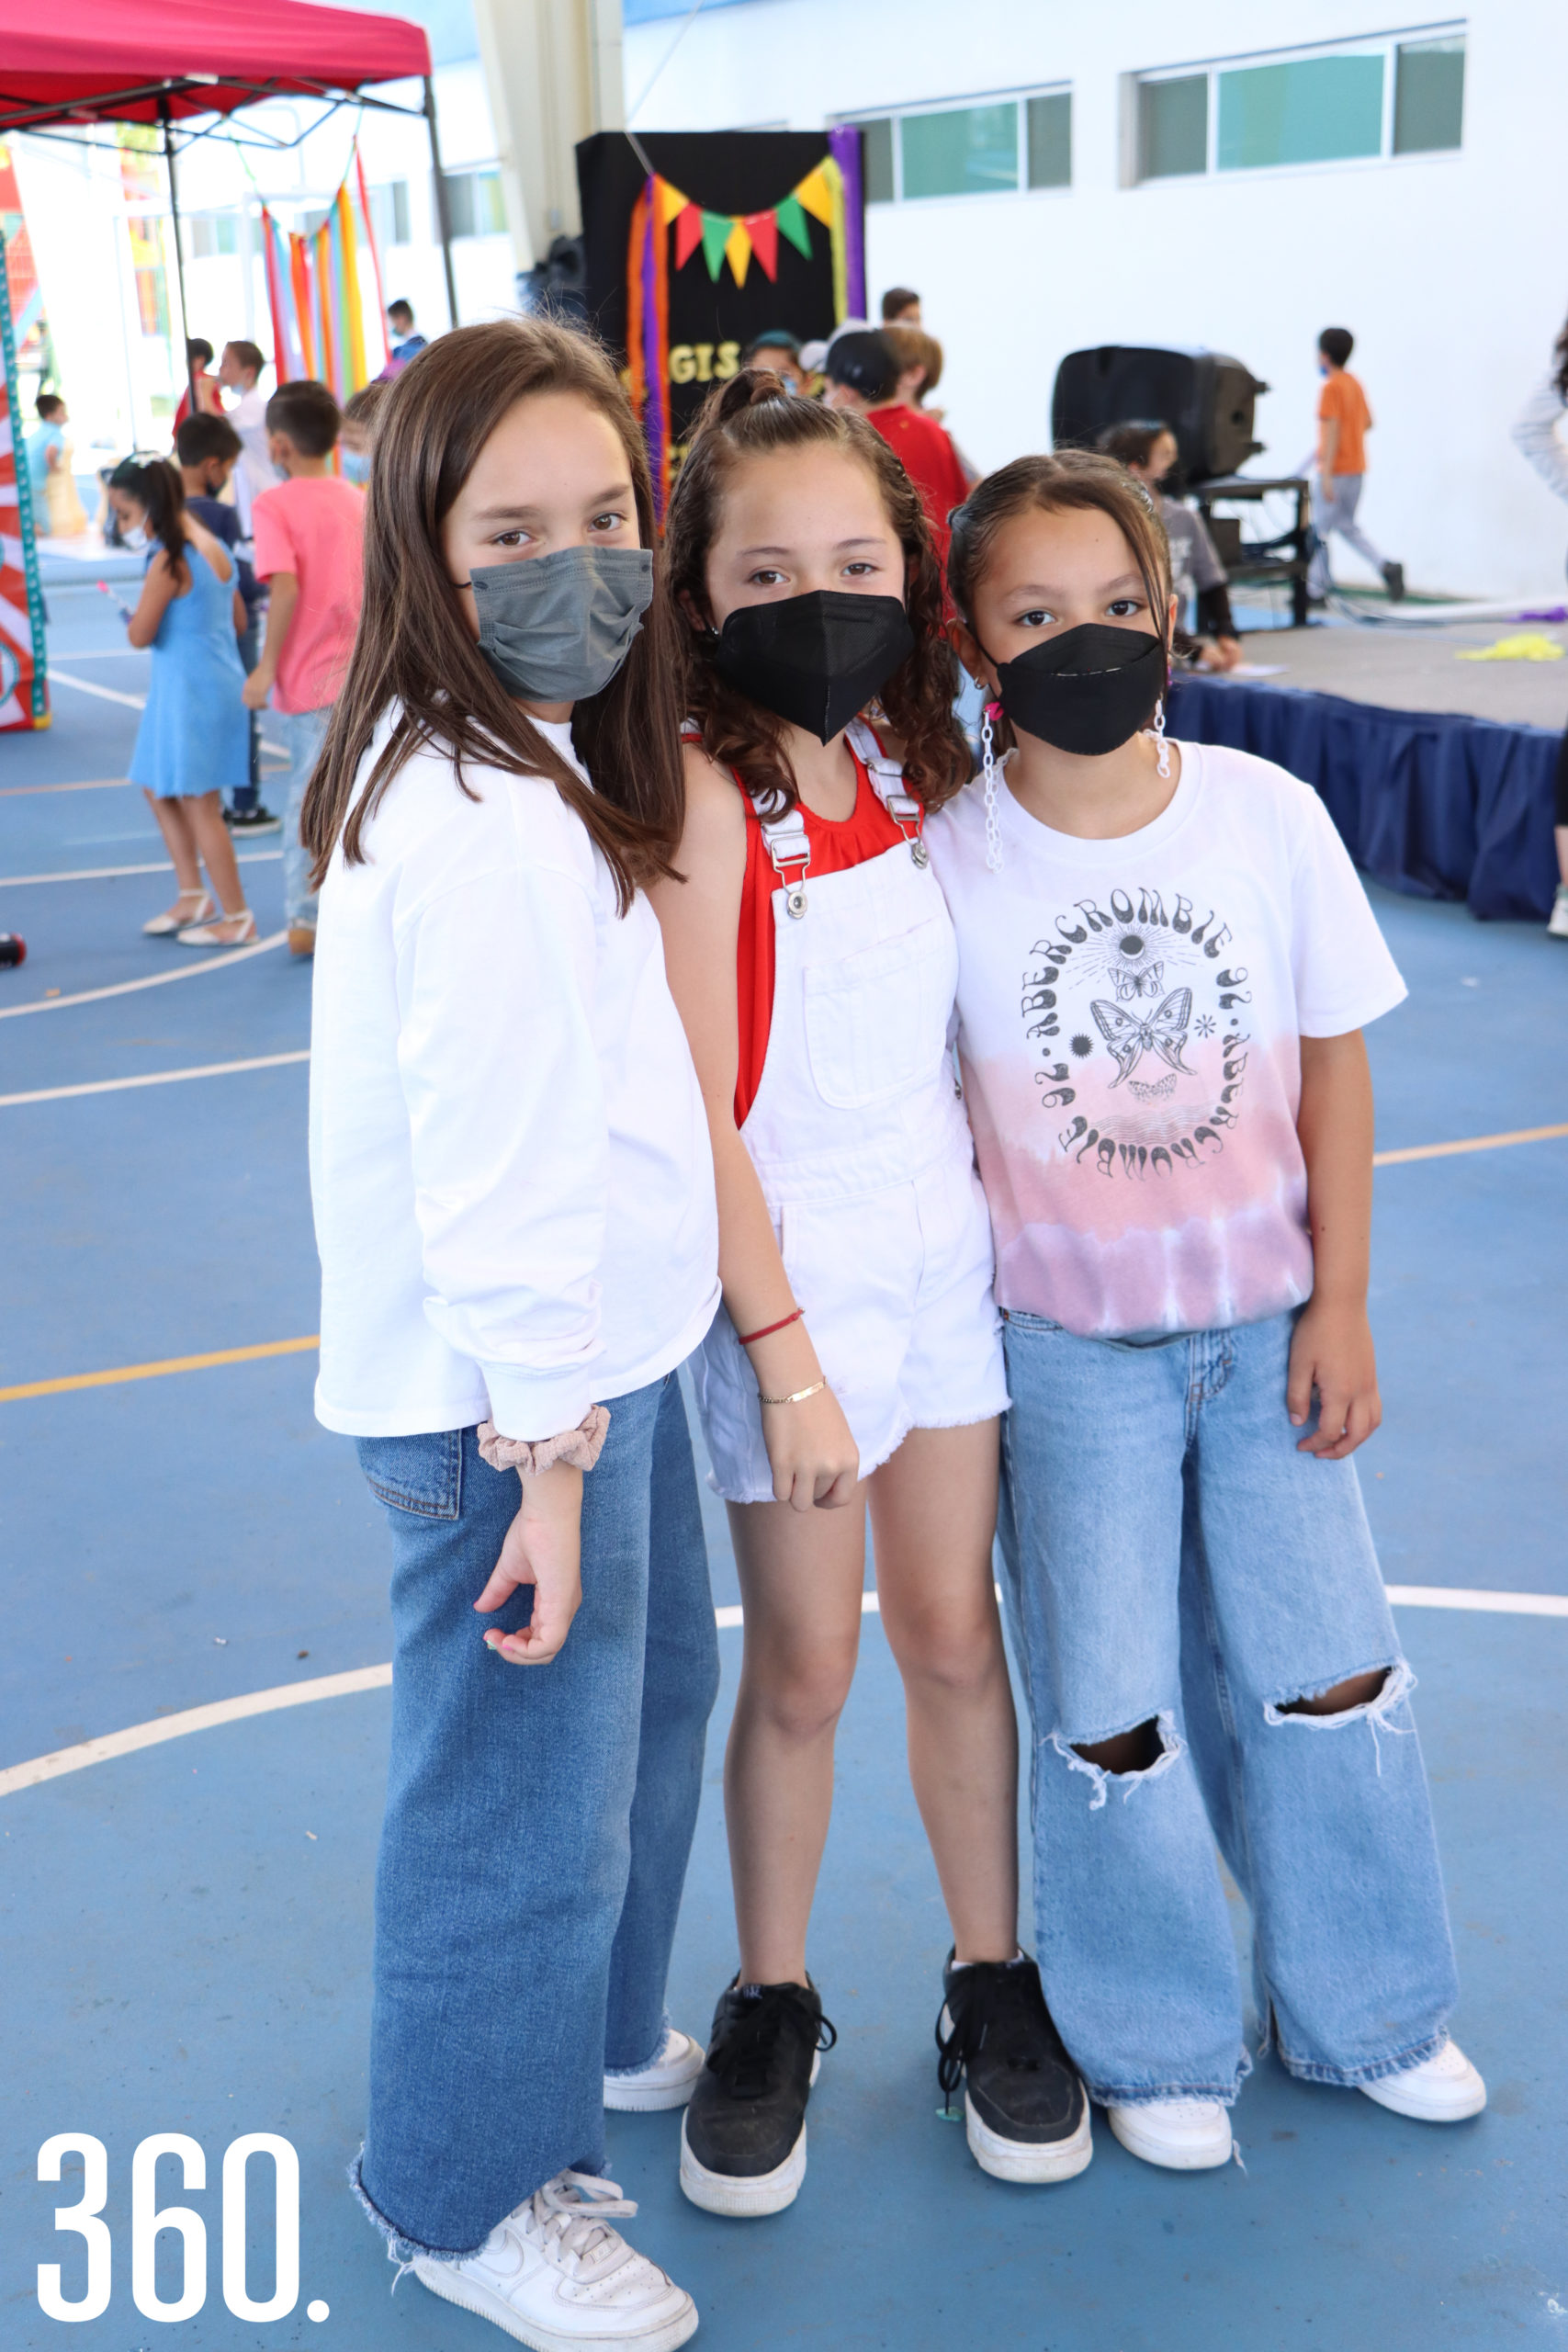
(762, 228)
(688, 234)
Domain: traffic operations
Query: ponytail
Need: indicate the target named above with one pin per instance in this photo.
(156, 486)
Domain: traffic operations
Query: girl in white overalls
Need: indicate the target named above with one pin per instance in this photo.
(857, 1359)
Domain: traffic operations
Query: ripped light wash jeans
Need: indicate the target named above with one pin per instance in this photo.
(1172, 1559)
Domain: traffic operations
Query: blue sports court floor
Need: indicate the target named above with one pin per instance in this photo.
(185, 1935)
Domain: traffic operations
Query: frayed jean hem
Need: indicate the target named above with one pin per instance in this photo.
(1160, 2094)
(400, 2248)
(1353, 2078)
(621, 2073)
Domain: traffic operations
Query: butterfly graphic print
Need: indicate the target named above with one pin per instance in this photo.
(1130, 1035)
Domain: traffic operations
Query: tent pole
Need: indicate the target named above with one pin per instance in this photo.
(179, 255)
(443, 210)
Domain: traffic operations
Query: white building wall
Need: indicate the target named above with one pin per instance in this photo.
(1451, 269)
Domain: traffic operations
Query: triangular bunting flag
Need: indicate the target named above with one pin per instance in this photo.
(671, 203)
(792, 225)
(817, 197)
(715, 236)
(737, 251)
(762, 228)
(688, 234)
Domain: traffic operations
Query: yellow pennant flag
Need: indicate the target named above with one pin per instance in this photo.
(738, 250)
(671, 203)
(817, 197)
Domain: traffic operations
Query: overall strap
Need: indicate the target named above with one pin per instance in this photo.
(786, 838)
(886, 781)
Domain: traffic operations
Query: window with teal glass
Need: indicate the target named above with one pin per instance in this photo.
(1173, 127)
(1428, 95)
(1311, 110)
(965, 150)
(876, 158)
(1048, 131)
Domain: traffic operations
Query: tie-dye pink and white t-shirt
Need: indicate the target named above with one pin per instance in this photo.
(1130, 1014)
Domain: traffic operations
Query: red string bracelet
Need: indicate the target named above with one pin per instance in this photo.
(768, 1329)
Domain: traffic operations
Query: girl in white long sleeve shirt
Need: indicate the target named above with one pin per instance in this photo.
(515, 1207)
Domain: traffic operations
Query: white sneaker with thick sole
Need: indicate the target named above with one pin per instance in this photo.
(665, 2083)
(1556, 921)
(1444, 2088)
(556, 2276)
(1183, 2134)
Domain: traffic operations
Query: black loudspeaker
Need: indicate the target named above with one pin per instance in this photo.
(1204, 397)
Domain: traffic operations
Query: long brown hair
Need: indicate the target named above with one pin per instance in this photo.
(751, 416)
(1051, 485)
(414, 650)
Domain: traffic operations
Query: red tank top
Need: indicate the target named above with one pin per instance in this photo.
(865, 833)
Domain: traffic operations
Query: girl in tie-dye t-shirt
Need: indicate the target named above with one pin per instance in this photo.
(1165, 963)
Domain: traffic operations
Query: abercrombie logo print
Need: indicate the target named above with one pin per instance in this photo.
(1131, 1007)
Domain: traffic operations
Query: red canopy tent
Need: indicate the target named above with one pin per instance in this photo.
(174, 61)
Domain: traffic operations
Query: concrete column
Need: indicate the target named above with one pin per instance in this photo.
(553, 75)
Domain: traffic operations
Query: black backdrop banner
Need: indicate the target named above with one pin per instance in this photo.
(711, 319)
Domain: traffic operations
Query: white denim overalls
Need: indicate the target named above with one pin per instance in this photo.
(859, 1136)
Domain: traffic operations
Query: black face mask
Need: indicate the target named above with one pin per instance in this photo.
(1086, 691)
(813, 659)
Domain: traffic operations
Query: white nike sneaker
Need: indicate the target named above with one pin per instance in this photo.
(556, 2276)
(1444, 2088)
(665, 2082)
(1556, 920)
(1183, 2134)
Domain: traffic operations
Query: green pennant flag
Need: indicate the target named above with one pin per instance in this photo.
(716, 227)
(794, 225)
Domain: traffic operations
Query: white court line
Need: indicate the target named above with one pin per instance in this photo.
(38, 1768)
(94, 784)
(222, 960)
(151, 1078)
(86, 686)
(102, 873)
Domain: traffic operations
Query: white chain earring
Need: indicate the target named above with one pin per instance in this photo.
(988, 773)
(1161, 746)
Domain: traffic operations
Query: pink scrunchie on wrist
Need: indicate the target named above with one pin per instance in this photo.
(580, 1447)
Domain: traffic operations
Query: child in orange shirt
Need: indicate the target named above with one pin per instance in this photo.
(1343, 420)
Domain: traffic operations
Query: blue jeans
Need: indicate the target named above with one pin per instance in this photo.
(1171, 1559)
(301, 731)
(247, 797)
(538, 1823)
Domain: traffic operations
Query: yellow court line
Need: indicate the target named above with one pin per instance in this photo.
(38, 1768)
(297, 1347)
(156, 1371)
(1471, 1143)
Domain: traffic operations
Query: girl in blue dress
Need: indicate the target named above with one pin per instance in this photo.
(194, 740)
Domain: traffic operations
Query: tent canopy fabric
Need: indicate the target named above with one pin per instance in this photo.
(125, 61)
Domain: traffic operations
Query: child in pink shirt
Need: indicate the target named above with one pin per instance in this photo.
(308, 537)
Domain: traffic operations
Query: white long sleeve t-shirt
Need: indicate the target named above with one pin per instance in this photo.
(510, 1163)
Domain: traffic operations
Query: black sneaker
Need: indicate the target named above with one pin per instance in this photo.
(1393, 581)
(1026, 2111)
(252, 820)
(743, 2134)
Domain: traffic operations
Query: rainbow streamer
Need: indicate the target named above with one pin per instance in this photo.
(648, 328)
(316, 292)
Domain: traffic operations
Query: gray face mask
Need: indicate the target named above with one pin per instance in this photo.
(557, 627)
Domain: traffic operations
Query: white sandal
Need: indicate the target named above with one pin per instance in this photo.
(207, 934)
(162, 926)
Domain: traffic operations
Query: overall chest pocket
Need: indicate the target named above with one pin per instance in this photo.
(876, 1021)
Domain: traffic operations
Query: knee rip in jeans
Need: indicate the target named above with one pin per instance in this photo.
(1391, 1686)
(1133, 1757)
